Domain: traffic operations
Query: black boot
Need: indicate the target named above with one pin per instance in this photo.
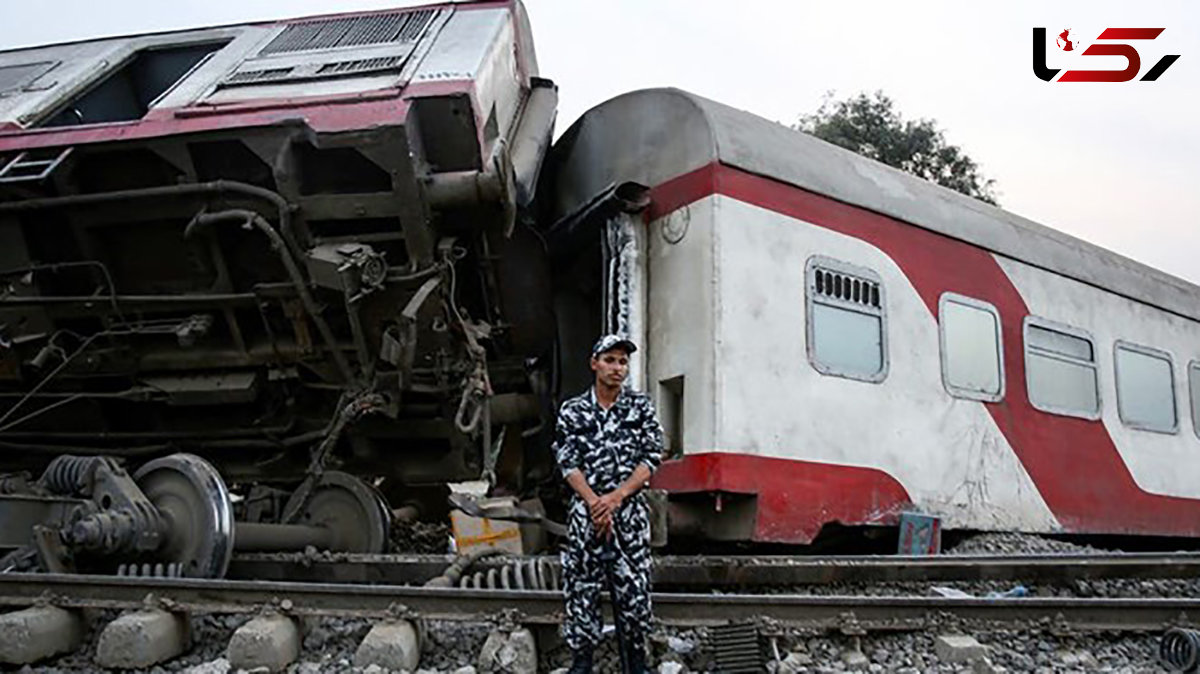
(582, 661)
(635, 655)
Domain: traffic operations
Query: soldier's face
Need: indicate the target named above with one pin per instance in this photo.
(611, 367)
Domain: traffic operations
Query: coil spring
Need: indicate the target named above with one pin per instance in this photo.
(525, 574)
(1180, 648)
(68, 474)
(148, 570)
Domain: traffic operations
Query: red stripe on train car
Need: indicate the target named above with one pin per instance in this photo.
(795, 498)
(1074, 463)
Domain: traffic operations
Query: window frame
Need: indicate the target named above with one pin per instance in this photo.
(1146, 351)
(1072, 331)
(821, 262)
(112, 68)
(955, 390)
(1193, 365)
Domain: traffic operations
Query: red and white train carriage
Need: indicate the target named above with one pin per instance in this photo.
(833, 341)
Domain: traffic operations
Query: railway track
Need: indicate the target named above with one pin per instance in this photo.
(155, 612)
(727, 572)
(837, 613)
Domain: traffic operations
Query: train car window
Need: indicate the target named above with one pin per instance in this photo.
(1145, 388)
(1194, 389)
(972, 357)
(1061, 374)
(847, 320)
(131, 90)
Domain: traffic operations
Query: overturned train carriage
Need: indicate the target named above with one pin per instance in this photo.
(299, 250)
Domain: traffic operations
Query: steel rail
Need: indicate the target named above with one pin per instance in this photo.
(847, 614)
(750, 572)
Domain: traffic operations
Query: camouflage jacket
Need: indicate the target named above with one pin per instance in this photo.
(607, 445)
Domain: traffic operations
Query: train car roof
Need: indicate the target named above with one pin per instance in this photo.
(653, 135)
(415, 5)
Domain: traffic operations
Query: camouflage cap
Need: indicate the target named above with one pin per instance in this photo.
(610, 342)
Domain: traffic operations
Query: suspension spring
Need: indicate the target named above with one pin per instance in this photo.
(148, 570)
(536, 573)
(1180, 648)
(70, 475)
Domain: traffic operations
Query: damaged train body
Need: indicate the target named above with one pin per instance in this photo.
(270, 245)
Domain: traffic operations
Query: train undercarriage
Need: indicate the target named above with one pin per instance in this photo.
(268, 339)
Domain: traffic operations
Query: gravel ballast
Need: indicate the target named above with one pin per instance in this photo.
(453, 647)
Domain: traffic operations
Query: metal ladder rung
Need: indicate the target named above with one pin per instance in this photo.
(18, 169)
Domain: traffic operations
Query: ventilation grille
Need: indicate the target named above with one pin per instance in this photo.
(307, 72)
(362, 65)
(846, 288)
(737, 649)
(256, 76)
(359, 31)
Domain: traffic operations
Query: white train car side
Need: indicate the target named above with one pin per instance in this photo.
(833, 341)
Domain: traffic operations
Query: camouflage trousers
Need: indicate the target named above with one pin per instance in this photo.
(585, 573)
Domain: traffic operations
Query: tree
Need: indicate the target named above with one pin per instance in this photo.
(871, 126)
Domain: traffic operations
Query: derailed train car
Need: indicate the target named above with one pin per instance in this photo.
(289, 256)
(832, 342)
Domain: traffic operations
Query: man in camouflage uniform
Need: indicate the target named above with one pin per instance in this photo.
(607, 442)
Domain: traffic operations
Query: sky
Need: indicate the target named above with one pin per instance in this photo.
(1117, 164)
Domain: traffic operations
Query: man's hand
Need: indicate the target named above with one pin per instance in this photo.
(603, 526)
(605, 506)
(603, 510)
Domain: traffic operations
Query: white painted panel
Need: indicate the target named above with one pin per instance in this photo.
(946, 452)
(497, 82)
(681, 328)
(1167, 464)
(462, 46)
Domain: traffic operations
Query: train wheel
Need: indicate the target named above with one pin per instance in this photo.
(193, 501)
(354, 511)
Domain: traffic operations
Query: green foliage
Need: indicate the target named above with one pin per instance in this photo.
(871, 126)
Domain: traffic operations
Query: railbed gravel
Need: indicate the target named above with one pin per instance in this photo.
(1005, 543)
(452, 648)
(1018, 650)
(1115, 588)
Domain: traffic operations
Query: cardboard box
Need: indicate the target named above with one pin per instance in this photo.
(475, 533)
